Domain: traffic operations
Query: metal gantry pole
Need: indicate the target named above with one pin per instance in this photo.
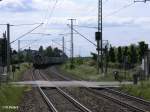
(72, 44)
(101, 25)
(8, 51)
(63, 44)
(99, 38)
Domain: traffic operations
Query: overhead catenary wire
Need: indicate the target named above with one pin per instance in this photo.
(50, 14)
(52, 11)
(110, 14)
(25, 24)
(33, 42)
(30, 44)
(60, 45)
(53, 8)
(27, 40)
(92, 27)
(118, 10)
(83, 36)
(85, 26)
(41, 34)
(105, 2)
(31, 24)
(46, 13)
(26, 33)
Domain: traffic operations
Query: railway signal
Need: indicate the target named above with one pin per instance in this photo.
(4, 50)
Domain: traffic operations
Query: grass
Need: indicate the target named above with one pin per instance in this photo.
(18, 73)
(11, 95)
(141, 90)
(87, 72)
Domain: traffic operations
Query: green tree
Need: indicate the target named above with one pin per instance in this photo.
(125, 51)
(21, 57)
(41, 50)
(94, 56)
(28, 57)
(142, 48)
(133, 56)
(126, 55)
(112, 56)
(49, 51)
(57, 52)
(119, 55)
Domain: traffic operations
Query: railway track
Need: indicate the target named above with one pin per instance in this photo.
(141, 103)
(132, 103)
(57, 99)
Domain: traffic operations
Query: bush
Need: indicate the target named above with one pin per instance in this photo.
(91, 63)
(79, 61)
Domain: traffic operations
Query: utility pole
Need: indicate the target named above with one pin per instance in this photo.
(99, 38)
(19, 52)
(63, 44)
(72, 44)
(63, 47)
(8, 51)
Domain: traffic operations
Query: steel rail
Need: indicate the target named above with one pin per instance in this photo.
(68, 97)
(134, 108)
(110, 98)
(47, 100)
(129, 96)
(75, 102)
(49, 103)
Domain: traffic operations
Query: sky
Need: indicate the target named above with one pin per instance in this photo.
(124, 22)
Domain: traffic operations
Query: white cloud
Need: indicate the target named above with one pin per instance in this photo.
(85, 11)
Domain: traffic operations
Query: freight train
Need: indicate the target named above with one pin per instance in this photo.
(40, 61)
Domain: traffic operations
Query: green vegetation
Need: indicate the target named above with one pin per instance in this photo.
(18, 73)
(130, 54)
(21, 57)
(141, 90)
(81, 72)
(122, 60)
(85, 69)
(11, 95)
(51, 52)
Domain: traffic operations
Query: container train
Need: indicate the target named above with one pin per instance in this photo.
(40, 61)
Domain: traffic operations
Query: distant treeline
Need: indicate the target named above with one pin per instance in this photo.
(51, 52)
(130, 55)
(26, 55)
